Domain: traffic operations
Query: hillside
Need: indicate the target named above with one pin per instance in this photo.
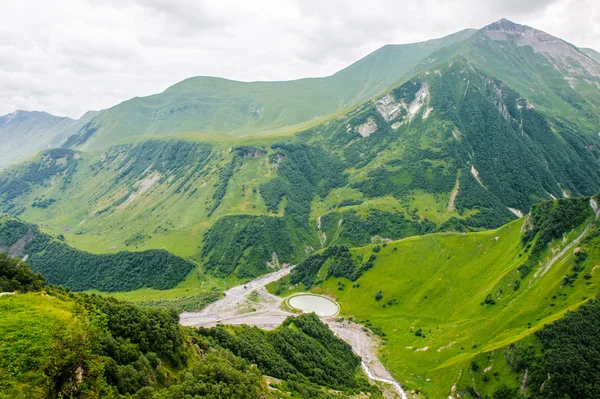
(442, 301)
(452, 149)
(593, 54)
(226, 108)
(80, 270)
(24, 133)
(60, 344)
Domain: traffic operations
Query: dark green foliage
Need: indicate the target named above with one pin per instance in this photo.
(491, 212)
(172, 157)
(340, 261)
(221, 186)
(242, 244)
(79, 270)
(219, 375)
(11, 230)
(306, 171)
(569, 351)
(136, 239)
(505, 392)
(379, 296)
(42, 202)
(303, 349)
(358, 231)
(489, 300)
(17, 276)
(81, 137)
(273, 192)
(150, 330)
(552, 219)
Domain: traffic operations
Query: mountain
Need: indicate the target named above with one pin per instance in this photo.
(24, 133)
(57, 344)
(227, 108)
(445, 195)
(555, 76)
(452, 149)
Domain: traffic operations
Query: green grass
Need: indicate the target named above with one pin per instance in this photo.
(195, 284)
(223, 108)
(27, 327)
(439, 282)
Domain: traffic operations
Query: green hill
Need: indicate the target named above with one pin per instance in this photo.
(80, 270)
(439, 301)
(227, 108)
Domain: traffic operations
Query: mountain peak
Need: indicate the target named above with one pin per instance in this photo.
(563, 55)
(504, 24)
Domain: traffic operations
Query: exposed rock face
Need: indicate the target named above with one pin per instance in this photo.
(367, 128)
(390, 109)
(564, 56)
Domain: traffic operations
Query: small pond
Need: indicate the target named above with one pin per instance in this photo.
(322, 306)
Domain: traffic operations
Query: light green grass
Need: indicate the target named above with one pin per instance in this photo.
(439, 282)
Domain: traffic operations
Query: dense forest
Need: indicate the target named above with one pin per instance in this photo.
(88, 346)
(563, 358)
(80, 270)
(303, 351)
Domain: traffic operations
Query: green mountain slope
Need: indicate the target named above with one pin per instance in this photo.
(229, 108)
(80, 270)
(439, 301)
(452, 149)
(24, 133)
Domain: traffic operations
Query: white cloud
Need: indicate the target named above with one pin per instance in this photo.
(68, 56)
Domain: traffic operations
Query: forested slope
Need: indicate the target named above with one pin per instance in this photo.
(58, 344)
(452, 149)
(79, 270)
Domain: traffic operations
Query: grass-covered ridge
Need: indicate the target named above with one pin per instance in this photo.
(441, 300)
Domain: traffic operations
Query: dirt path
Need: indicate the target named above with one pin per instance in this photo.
(251, 304)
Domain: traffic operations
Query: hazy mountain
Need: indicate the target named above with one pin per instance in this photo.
(593, 54)
(23, 133)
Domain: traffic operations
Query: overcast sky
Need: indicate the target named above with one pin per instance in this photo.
(69, 56)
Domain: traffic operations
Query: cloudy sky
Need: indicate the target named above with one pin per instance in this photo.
(68, 56)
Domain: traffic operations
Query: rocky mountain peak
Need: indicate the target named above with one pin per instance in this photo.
(563, 55)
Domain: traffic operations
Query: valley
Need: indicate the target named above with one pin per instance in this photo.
(436, 203)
